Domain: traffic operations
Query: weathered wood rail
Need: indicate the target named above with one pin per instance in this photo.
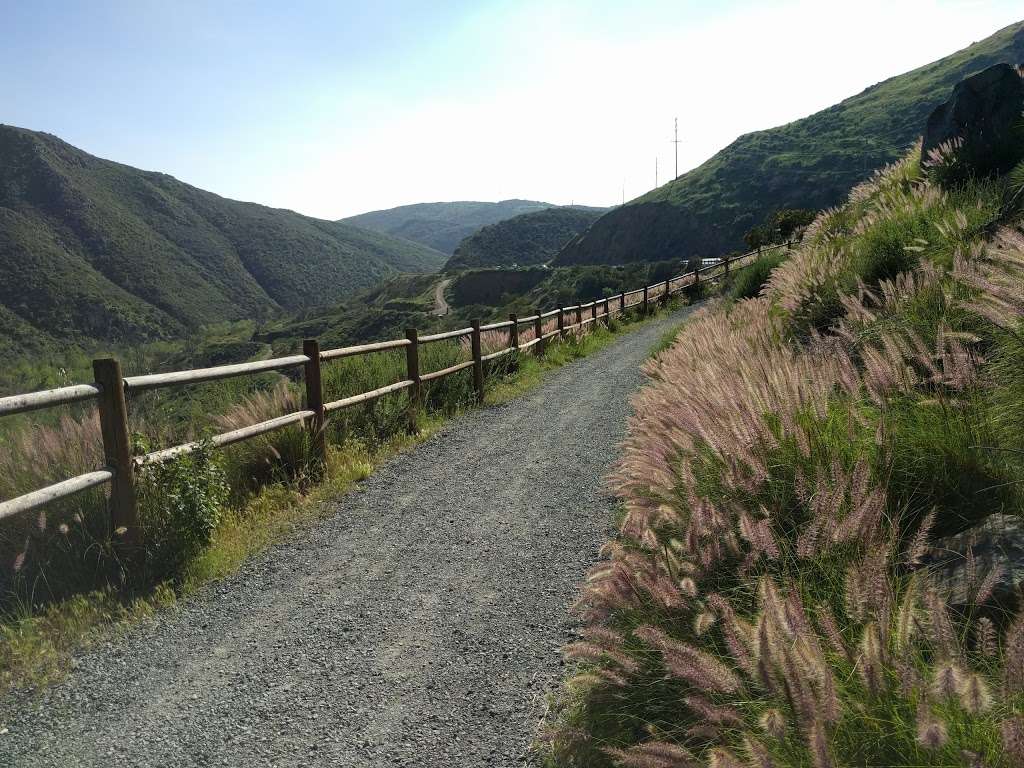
(111, 390)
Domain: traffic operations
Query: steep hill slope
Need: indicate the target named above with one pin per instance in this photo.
(442, 226)
(530, 238)
(94, 250)
(810, 163)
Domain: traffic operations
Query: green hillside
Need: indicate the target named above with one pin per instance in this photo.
(92, 250)
(523, 240)
(810, 163)
(489, 295)
(442, 226)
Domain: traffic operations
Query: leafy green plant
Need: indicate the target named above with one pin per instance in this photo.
(748, 282)
(779, 227)
(181, 502)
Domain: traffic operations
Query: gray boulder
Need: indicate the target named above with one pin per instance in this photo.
(997, 544)
(985, 112)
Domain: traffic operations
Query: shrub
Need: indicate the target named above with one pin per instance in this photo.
(181, 502)
(779, 227)
(748, 282)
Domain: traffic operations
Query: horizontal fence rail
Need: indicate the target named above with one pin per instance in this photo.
(364, 349)
(47, 399)
(111, 390)
(200, 375)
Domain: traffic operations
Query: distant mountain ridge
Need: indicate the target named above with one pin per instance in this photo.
(809, 163)
(524, 240)
(442, 226)
(95, 251)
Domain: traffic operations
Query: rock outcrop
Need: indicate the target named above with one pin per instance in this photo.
(986, 559)
(983, 119)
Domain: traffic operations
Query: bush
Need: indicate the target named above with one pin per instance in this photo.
(779, 227)
(748, 282)
(181, 502)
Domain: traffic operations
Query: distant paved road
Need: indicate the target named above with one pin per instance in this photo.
(419, 625)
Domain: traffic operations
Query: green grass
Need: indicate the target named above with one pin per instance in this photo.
(36, 643)
(667, 339)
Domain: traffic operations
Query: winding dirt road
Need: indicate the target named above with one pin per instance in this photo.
(441, 307)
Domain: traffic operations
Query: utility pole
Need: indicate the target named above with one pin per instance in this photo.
(676, 142)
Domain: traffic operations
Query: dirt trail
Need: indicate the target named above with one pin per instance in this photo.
(418, 625)
(441, 307)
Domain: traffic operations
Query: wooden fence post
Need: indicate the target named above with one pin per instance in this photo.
(725, 262)
(667, 289)
(593, 316)
(561, 324)
(478, 363)
(513, 331)
(117, 450)
(607, 313)
(645, 301)
(538, 332)
(412, 364)
(315, 400)
(622, 303)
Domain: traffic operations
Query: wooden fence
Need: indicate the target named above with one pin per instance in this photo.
(111, 390)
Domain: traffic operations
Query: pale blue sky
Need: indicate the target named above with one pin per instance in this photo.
(333, 108)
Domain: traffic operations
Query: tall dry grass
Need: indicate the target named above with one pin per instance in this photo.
(41, 554)
(786, 470)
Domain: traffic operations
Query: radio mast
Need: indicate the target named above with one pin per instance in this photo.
(676, 142)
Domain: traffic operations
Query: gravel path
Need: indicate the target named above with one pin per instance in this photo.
(418, 626)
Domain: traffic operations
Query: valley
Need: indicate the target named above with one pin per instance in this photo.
(725, 476)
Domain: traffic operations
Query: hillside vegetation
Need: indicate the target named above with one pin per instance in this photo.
(524, 240)
(484, 292)
(441, 226)
(788, 586)
(810, 163)
(93, 251)
(489, 295)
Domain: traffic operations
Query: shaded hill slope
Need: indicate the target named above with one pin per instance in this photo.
(527, 239)
(810, 163)
(93, 250)
(442, 226)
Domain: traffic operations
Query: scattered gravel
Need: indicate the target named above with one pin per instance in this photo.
(417, 626)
